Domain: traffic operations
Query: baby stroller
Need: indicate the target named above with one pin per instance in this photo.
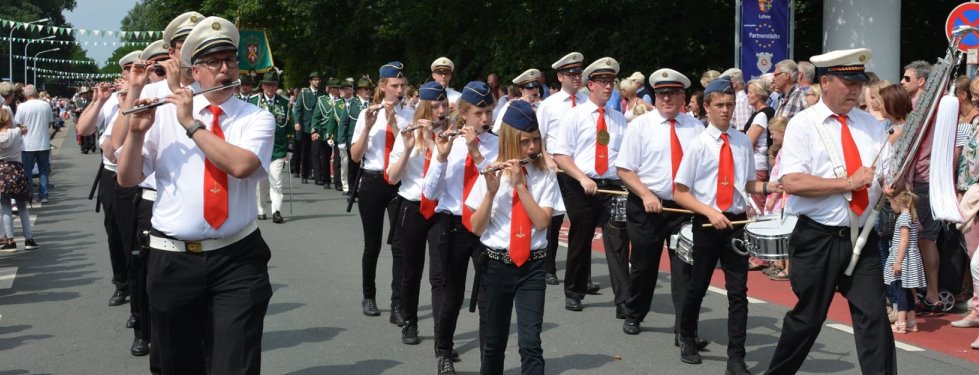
(952, 266)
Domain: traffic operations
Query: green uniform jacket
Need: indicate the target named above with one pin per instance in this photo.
(333, 122)
(283, 122)
(345, 133)
(324, 113)
(303, 111)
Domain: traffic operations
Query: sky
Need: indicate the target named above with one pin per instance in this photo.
(99, 15)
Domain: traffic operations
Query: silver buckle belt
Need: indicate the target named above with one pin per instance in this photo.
(166, 244)
(149, 195)
(504, 256)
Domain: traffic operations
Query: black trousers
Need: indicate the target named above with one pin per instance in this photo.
(819, 254)
(208, 309)
(458, 246)
(119, 209)
(709, 245)
(503, 288)
(376, 195)
(649, 231)
(321, 160)
(301, 154)
(336, 167)
(553, 231)
(138, 298)
(413, 233)
(586, 213)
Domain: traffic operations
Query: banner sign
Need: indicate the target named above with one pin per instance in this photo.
(254, 53)
(764, 36)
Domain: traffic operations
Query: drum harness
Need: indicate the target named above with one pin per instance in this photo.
(840, 172)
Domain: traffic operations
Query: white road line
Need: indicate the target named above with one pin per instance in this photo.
(7, 275)
(898, 344)
(724, 293)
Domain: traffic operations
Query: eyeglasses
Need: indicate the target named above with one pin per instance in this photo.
(443, 72)
(604, 82)
(906, 79)
(215, 64)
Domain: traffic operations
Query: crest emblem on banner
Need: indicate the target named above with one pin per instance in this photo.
(764, 62)
(252, 55)
(764, 5)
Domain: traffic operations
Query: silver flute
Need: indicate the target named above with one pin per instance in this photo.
(412, 127)
(523, 161)
(142, 108)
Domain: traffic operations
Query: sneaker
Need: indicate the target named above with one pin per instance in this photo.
(445, 366)
(44, 200)
(409, 334)
(9, 247)
(29, 244)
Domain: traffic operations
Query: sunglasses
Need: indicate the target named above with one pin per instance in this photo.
(906, 79)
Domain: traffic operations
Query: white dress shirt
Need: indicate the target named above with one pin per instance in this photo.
(698, 170)
(803, 152)
(37, 116)
(412, 181)
(551, 110)
(179, 165)
(374, 153)
(647, 149)
(444, 181)
(543, 187)
(577, 134)
(106, 117)
(452, 95)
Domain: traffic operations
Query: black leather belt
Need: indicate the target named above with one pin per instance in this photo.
(838, 231)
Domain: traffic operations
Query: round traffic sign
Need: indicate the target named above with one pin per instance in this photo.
(966, 14)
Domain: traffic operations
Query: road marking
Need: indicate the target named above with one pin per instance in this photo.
(724, 293)
(898, 344)
(7, 275)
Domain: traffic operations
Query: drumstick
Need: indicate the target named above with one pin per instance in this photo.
(677, 210)
(740, 222)
(613, 192)
(619, 192)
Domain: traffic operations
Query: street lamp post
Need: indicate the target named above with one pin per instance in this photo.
(25, 54)
(10, 48)
(35, 63)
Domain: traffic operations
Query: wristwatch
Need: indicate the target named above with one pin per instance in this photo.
(198, 125)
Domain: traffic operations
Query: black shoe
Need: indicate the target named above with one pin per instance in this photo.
(295, 174)
(277, 217)
(347, 193)
(263, 217)
(700, 343)
(630, 327)
(140, 347)
(397, 316)
(550, 279)
(29, 244)
(118, 298)
(320, 183)
(338, 187)
(370, 307)
(326, 186)
(736, 366)
(131, 322)
(592, 288)
(688, 352)
(621, 311)
(304, 181)
(409, 334)
(444, 366)
(572, 304)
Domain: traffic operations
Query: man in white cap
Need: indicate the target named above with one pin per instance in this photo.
(585, 146)
(549, 114)
(442, 69)
(824, 169)
(211, 150)
(742, 110)
(529, 88)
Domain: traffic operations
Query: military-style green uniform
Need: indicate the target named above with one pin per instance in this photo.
(279, 107)
(345, 133)
(303, 115)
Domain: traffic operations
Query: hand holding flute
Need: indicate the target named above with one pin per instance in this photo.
(503, 166)
(158, 103)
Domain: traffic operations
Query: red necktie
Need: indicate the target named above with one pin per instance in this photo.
(572, 101)
(468, 180)
(851, 156)
(601, 151)
(215, 182)
(427, 206)
(725, 176)
(676, 150)
(520, 230)
(388, 145)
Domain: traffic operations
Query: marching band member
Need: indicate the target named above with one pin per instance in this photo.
(409, 163)
(529, 91)
(326, 109)
(715, 164)
(585, 147)
(549, 114)
(204, 233)
(373, 140)
(302, 159)
(346, 130)
(821, 246)
(511, 211)
(651, 152)
(450, 179)
(271, 189)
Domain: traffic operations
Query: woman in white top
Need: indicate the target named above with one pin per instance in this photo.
(633, 105)
(757, 131)
(512, 205)
(14, 183)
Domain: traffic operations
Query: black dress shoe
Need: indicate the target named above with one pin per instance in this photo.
(263, 217)
(621, 311)
(551, 279)
(736, 366)
(140, 347)
(131, 322)
(118, 298)
(630, 327)
(370, 307)
(572, 304)
(592, 288)
(320, 183)
(397, 316)
(688, 352)
(277, 217)
(698, 342)
(409, 334)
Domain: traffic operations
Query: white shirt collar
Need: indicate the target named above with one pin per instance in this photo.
(228, 108)
(715, 133)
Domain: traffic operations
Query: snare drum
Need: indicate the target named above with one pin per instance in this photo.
(618, 210)
(684, 244)
(769, 239)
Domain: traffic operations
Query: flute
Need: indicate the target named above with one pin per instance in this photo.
(373, 110)
(522, 162)
(142, 108)
(412, 127)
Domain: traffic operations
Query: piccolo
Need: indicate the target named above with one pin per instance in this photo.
(450, 133)
(142, 108)
(373, 110)
(523, 161)
(410, 128)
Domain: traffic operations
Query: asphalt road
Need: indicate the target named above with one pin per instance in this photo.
(54, 317)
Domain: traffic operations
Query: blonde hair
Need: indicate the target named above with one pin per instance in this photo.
(628, 86)
(761, 89)
(422, 112)
(709, 76)
(5, 119)
(510, 146)
(908, 200)
(776, 124)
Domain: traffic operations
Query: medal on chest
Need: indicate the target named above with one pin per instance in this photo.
(603, 137)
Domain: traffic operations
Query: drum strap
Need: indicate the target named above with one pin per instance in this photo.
(840, 171)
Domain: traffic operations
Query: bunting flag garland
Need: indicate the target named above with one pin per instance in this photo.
(55, 30)
(60, 61)
(75, 42)
(70, 75)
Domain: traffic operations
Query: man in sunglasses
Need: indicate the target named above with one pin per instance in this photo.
(442, 69)
(915, 76)
(529, 88)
